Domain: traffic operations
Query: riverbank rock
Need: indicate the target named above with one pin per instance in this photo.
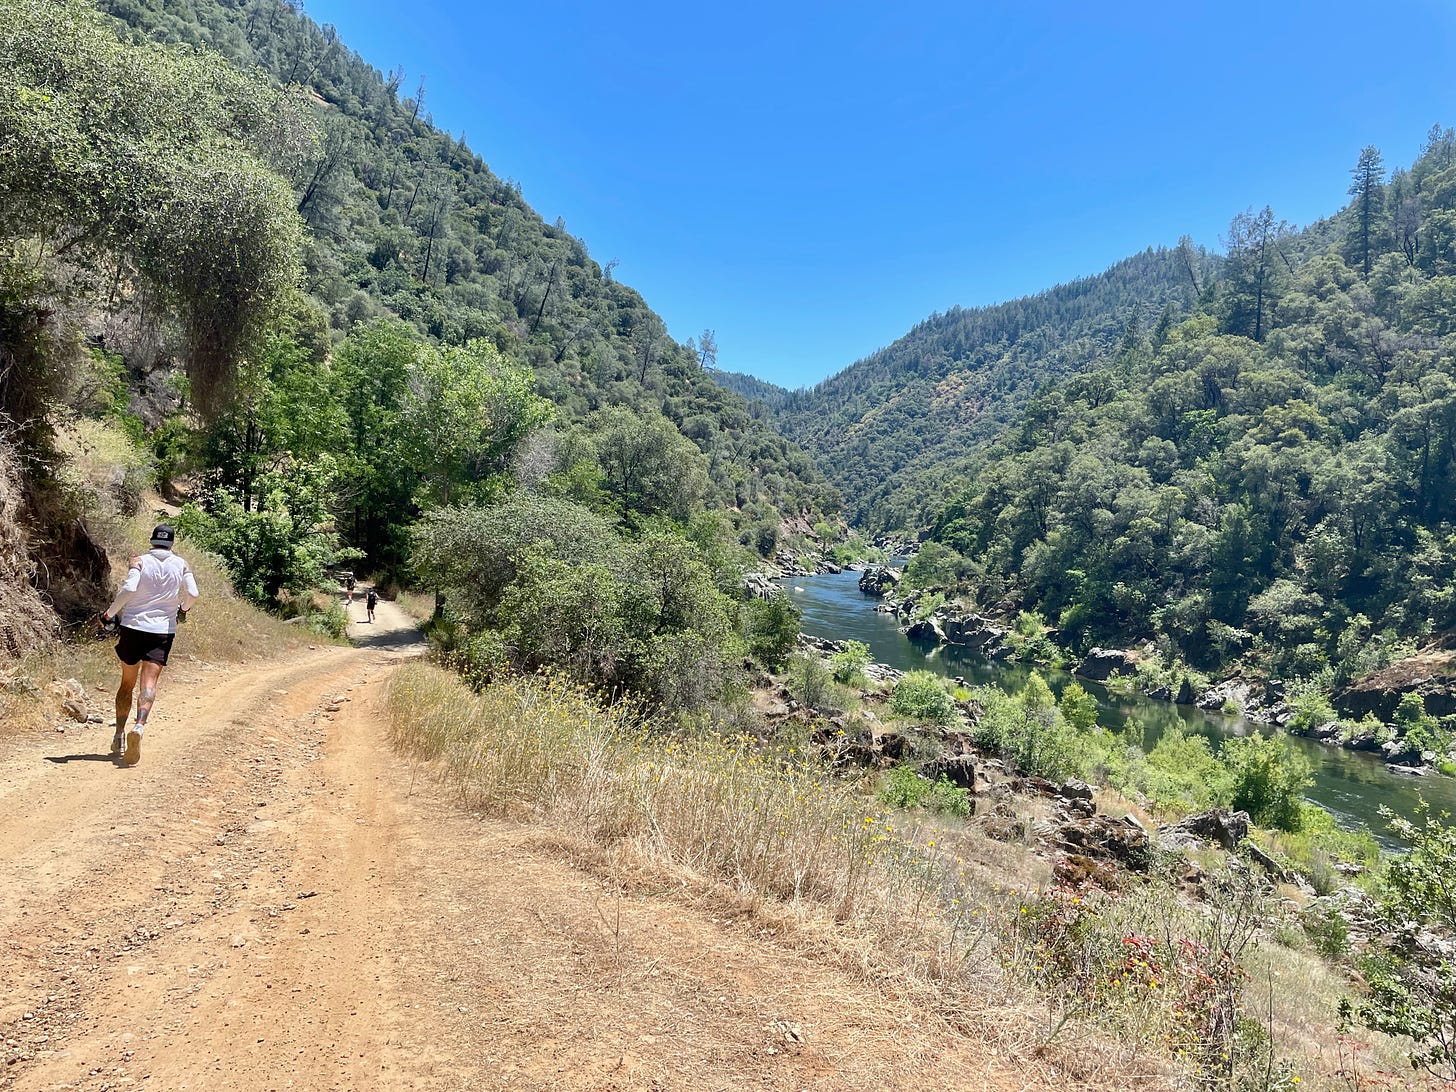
(1240, 693)
(1431, 674)
(760, 586)
(927, 629)
(1101, 664)
(880, 581)
(1328, 732)
(976, 632)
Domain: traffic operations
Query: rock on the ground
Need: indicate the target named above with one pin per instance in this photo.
(959, 770)
(1218, 825)
(760, 586)
(1101, 837)
(74, 709)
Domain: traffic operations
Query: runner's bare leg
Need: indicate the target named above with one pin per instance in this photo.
(123, 694)
(151, 672)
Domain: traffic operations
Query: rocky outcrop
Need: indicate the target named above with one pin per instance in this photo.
(1257, 701)
(959, 770)
(976, 632)
(880, 581)
(1102, 838)
(1220, 826)
(760, 586)
(927, 629)
(1430, 674)
(1101, 664)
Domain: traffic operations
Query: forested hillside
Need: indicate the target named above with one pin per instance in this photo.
(406, 220)
(1274, 475)
(890, 429)
(267, 285)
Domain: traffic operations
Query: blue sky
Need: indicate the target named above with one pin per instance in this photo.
(810, 180)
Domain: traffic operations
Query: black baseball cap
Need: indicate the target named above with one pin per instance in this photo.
(163, 536)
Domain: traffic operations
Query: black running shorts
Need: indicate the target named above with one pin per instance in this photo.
(134, 646)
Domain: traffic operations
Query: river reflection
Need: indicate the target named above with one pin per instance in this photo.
(1351, 785)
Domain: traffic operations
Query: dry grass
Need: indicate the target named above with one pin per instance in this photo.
(778, 838)
(945, 913)
(417, 604)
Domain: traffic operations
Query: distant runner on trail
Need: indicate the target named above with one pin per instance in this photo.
(156, 595)
(370, 602)
(349, 583)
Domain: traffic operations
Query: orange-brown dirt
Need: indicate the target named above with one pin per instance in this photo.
(271, 900)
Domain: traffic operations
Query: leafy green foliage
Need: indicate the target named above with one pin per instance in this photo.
(1268, 778)
(282, 539)
(904, 788)
(562, 588)
(1029, 731)
(772, 626)
(1412, 979)
(809, 680)
(922, 696)
(848, 664)
(154, 165)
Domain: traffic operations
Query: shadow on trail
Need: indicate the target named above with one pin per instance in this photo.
(385, 638)
(62, 759)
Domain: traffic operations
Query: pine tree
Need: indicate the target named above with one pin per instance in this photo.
(1367, 189)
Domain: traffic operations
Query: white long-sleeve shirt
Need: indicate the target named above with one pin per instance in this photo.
(157, 584)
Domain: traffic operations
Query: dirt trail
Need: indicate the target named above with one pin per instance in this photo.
(272, 900)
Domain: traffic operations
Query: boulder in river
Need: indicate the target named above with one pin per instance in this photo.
(976, 632)
(880, 581)
(927, 629)
(1101, 664)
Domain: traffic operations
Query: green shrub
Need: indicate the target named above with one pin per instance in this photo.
(772, 626)
(1268, 778)
(332, 621)
(1078, 708)
(1412, 987)
(848, 664)
(1309, 708)
(809, 680)
(1422, 732)
(1327, 930)
(481, 658)
(1029, 731)
(904, 788)
(921, 695)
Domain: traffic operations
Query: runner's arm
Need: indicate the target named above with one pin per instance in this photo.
(190, 594)
(128, 588)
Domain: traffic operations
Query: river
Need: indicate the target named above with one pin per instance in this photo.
(1352, 785)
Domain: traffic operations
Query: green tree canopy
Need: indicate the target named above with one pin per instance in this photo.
(154, 167)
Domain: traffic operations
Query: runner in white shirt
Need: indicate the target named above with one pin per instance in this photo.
(158, 591)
